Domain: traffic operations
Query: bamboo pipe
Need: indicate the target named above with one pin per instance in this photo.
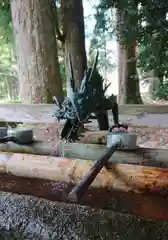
(123, 177)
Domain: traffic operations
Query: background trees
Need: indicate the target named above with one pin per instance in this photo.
(72, 37)
(143, 25)
(140, 28)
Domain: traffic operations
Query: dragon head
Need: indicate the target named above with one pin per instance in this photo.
(80, 102)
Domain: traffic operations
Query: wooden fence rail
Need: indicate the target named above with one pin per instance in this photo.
(142, 115)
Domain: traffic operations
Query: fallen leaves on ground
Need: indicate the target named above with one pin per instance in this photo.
(147, 137)
(151, 137)
(49, 134)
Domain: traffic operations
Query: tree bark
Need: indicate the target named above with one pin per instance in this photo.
(38, 67)
(74, 39)
(129, 92)
(133, 95)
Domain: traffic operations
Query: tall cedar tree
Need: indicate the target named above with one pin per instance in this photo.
(129, 91)
(74, 38)
(38, 67)
(126, 26)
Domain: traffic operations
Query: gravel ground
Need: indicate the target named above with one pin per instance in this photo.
(25, 217)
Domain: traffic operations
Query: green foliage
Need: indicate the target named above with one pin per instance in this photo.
(63, 72)
(6, 35)
(154, 38)
(144, 22)
(162, 92)
(106, 63)
(14, 101)
(101, 38)
(8, 69)
(154, 44)
(63, 77)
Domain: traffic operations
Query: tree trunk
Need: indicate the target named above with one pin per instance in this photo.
(129, 92)
(34, 29)
(132, 81)
(74, 39)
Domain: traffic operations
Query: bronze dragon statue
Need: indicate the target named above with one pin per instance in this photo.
(90, 98)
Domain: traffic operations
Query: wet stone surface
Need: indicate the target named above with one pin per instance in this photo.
(25, 217)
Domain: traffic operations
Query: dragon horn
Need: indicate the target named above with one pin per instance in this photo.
(72, 80)
(57, 102)
(106, 87)
(94, 65)
(83, 82)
